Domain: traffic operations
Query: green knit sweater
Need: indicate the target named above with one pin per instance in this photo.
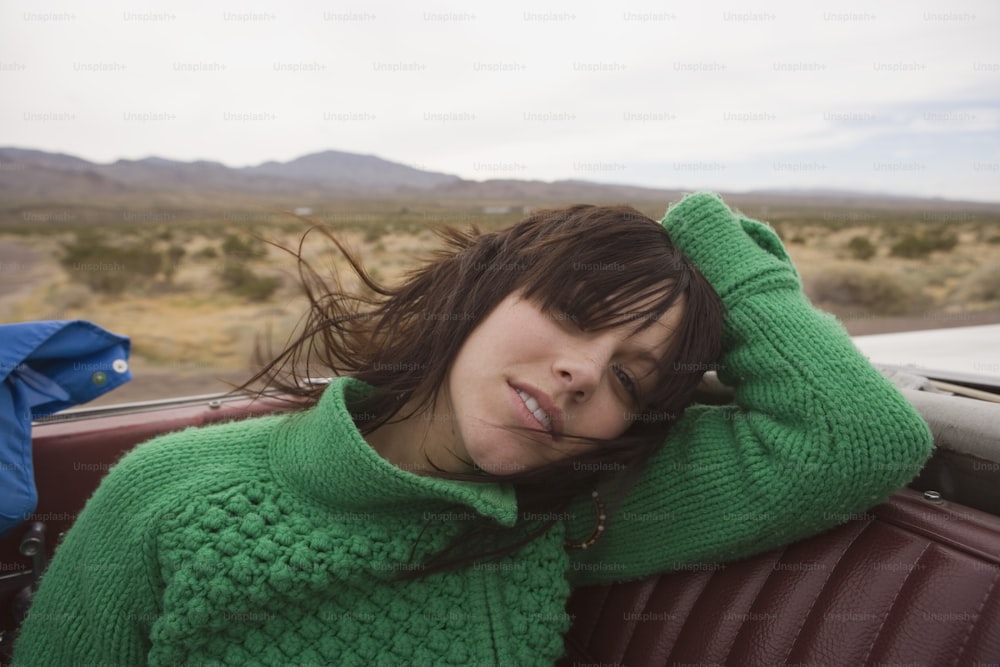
(276, 541)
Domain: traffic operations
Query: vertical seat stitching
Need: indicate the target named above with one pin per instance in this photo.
(687, 619)
(805, 618)
(754, 602)
(972, 626)
(892, 603)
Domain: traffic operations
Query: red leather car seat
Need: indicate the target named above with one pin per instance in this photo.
(913, 582)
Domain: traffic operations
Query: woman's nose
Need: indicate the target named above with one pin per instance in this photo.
(579, 371)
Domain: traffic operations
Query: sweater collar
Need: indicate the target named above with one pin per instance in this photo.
(321, 453)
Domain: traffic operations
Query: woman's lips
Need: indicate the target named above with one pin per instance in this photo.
(537, 407)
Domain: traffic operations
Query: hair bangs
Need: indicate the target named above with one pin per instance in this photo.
(609, 267)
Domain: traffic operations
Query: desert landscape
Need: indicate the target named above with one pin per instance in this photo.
(193, 273)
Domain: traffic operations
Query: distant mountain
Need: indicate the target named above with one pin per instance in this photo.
(337, 168)
(30, 179)
(37, 174)
(10, 157)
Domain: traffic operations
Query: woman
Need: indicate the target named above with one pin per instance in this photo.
(507, 424)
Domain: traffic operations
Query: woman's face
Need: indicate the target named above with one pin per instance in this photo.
(522, 367)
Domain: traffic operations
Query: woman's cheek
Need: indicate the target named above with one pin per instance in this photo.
(615, 420)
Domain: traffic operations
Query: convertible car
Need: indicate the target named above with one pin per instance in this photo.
(913, 581)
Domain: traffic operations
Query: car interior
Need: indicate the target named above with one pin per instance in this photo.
(913, 581)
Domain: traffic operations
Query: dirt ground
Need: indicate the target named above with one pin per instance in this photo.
(21, 270)
(879, 325)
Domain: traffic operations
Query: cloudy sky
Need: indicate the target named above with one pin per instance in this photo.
(889, 96)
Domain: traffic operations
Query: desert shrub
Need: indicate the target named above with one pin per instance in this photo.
(873, 292)
(240, 279)
(983, 285)
(917, 245)
(208, 252)
(861, 248)
(242, 248)
(109, 268)
(375, 230)
(993, 239)
(171, 260)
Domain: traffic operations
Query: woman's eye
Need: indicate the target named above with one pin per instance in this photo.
(626, 381)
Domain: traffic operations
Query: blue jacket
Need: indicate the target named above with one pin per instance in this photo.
(45, 367)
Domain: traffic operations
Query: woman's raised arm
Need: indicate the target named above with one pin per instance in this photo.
(815, 432)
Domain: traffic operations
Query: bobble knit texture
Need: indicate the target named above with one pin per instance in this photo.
(274, 541)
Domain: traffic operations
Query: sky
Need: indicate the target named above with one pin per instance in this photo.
(899, 97)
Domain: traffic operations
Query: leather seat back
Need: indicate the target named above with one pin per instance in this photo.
(911, 582)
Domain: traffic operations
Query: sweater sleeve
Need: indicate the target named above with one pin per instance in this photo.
(814, 433)
(98, 597)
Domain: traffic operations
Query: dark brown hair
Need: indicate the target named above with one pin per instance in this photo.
(599, 266)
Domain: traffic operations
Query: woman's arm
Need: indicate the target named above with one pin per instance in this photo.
(815, 432)
(98, 598)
